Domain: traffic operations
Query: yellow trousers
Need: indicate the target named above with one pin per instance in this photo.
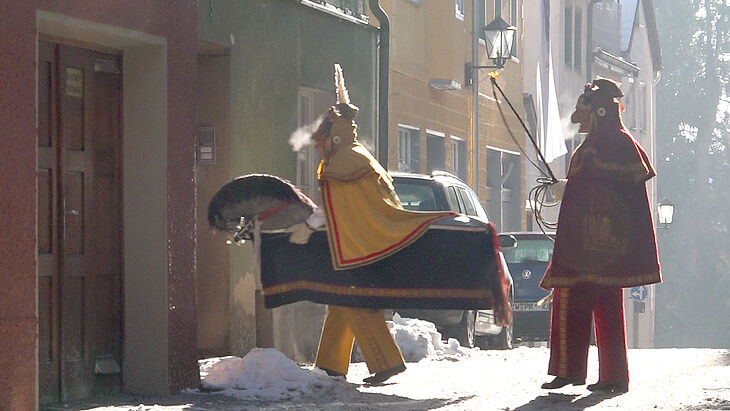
(344, 325)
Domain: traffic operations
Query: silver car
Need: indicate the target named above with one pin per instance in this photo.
(443, 191)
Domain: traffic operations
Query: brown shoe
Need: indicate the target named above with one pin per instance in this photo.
(609, 387)
(560, 382)
(380, 377)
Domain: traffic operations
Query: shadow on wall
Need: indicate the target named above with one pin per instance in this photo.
(297, 328)
(243, 316)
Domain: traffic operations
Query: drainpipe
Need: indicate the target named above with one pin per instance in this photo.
(383, 73)
(589, 41)
(475, 95)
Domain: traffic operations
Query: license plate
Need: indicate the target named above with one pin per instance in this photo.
(529, 307)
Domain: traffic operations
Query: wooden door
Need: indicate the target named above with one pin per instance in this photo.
(79, 222)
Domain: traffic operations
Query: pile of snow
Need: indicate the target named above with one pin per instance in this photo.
(266, 374)
(263, 374)
(419, 339)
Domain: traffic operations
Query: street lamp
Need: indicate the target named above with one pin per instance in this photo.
(665, 210)
(499, 40)
(499, 37)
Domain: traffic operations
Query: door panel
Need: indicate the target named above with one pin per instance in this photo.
(48, 228)
(79, 224)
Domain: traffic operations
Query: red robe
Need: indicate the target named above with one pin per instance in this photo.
(605, 229)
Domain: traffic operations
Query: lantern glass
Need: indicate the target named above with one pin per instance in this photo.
(499, 38)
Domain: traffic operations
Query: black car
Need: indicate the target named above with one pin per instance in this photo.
(444, 191)
(528, 255)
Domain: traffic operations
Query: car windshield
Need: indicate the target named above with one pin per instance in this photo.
(529, 251)
(416, 195)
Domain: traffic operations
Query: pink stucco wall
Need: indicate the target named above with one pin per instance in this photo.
(175, 20)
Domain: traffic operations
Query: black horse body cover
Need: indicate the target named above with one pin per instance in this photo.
(454, 265)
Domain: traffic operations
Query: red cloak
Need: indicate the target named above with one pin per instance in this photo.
(605, 229)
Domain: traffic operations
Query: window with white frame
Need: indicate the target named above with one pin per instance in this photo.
(459, 8)
(409, 148)
(435, 151)
(458, 157)
(514, 19)
(641, 110)
(504, 188)
(568, 35)
(578, 46)
(482, 17)
(312, 104)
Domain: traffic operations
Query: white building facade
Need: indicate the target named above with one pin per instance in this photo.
(585, 40)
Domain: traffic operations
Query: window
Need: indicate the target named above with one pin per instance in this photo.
(479, 210)
(459, 6)
(435, 151)
(572, 144)
(482, 15)
(529, 251)
(409, 149)
(504, 187)
(578, 51)
(415, 195)
(568, 49)
(515, 21)
(469, 208)
(641, 108)
(458, 157)
(312, 103)
(355, 8)
(452, 199)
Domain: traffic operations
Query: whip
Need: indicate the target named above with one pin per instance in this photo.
(538, 194)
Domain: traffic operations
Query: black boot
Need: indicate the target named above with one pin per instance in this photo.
(380, 377)
(332, 373)
(609, 387)
(560, 382)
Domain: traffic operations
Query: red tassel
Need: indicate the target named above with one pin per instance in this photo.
(500, 288)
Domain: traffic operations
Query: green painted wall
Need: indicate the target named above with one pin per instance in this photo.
(275, 47)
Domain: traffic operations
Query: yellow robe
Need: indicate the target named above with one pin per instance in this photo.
(365, 221)
(342, 326)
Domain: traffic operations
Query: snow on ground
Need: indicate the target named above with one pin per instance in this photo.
(265, 374)
(443, 376)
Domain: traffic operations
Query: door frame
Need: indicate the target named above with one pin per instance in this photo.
(144, 193)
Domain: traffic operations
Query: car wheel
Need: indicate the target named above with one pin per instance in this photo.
(481, 341)
(503, 340)
(464, 331)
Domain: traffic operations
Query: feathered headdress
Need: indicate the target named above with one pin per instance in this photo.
(343, 104)
(342, 95)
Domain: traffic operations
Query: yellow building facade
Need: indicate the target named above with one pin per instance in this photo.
(431, 106)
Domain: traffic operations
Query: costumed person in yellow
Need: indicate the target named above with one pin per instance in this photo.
(365, 223)
(605, 241)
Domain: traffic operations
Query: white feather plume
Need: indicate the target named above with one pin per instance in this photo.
(342, 95)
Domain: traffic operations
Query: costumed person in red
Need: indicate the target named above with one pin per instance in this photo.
(605, 241)
(365, 224)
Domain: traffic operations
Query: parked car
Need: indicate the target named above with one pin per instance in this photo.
(444, 191)
(527, 255)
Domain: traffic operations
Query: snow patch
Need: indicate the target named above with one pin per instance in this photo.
(262, 374)
(266, 374)
(419, 339)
